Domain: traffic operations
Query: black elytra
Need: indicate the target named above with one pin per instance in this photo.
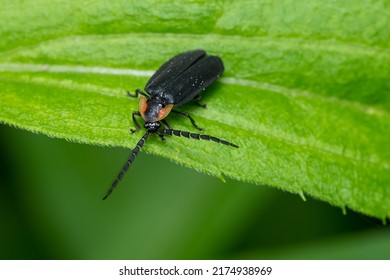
(177, 81)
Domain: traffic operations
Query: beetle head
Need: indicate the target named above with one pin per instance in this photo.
(153, 109)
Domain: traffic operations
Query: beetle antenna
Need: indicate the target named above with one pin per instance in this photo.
(132, 156)
(197, 136)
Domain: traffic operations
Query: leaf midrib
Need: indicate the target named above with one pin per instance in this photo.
(72, 69)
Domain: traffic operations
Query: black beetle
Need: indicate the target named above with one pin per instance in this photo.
(176, 82)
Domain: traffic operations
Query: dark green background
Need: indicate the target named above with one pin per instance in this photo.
(51, 208)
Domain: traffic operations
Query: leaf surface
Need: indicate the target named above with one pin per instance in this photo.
(305, 93)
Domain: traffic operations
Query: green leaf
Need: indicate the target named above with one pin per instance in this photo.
(305, 93)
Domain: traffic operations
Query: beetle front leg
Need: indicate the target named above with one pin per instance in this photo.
(188, 116)
(161, 136)
(137, 126)
(137, 92)
(165, 123)
(129, 94)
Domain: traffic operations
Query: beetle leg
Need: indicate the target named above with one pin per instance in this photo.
(188, 116)
(129, 94)
(165, 123)
(137, 92)
(161, 135)
(196, 99)
(137, 126)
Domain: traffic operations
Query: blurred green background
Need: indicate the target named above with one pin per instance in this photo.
(51, 208)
